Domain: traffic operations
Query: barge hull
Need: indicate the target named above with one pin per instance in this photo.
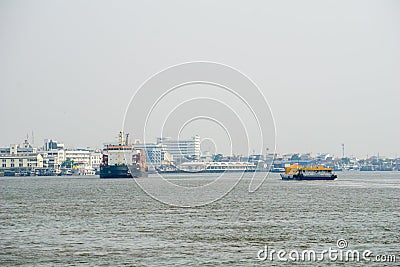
(308, 178)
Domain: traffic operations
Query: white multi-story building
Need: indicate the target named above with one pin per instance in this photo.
(156, 154)
(81, 158)
(53, 154)
(53, 158)
(21, 160)
(181, 150)
(95, 159)
(20, 156)
(86, 161)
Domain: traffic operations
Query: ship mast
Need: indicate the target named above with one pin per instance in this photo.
(342, 151)
(126, 139)
(121, 137)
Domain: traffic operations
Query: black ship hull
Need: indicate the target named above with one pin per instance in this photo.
(308, 178)
(121, 171)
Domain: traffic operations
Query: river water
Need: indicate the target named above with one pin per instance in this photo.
(74, 221)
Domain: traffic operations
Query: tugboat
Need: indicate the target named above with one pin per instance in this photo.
(300, 173)
(122, 160)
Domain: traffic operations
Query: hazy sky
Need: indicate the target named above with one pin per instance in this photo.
(329, 69)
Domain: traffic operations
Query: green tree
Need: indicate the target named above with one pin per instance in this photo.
(345, 160)
(295, 157)
(68, 163)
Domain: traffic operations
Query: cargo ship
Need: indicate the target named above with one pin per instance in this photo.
(122, 160)
(300, 173)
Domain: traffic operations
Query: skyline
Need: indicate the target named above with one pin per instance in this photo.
(203, 151)
(328, 70)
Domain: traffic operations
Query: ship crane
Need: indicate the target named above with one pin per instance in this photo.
(126, 139)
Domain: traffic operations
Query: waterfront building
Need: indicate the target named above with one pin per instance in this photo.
(20, 156)
(84, 159)
(53, 158)
(21, 160)
(95, 159)
(156, 154)
(53, 154)
(81, 158)
(183, 149)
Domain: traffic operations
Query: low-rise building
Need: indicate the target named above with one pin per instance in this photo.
(84, 161)
(21, 160)
(95, 159)
(53, 158)
(81, 158)
(22, 156)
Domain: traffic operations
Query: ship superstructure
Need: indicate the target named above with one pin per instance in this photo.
(122, 160)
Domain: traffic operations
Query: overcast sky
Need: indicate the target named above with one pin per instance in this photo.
(329, 69)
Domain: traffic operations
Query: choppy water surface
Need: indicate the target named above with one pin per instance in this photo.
(63, 221)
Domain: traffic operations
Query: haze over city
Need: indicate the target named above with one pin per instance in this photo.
(199, 133)
(329, 70)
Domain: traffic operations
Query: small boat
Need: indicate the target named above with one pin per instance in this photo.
(313, 173)
(277, 169)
